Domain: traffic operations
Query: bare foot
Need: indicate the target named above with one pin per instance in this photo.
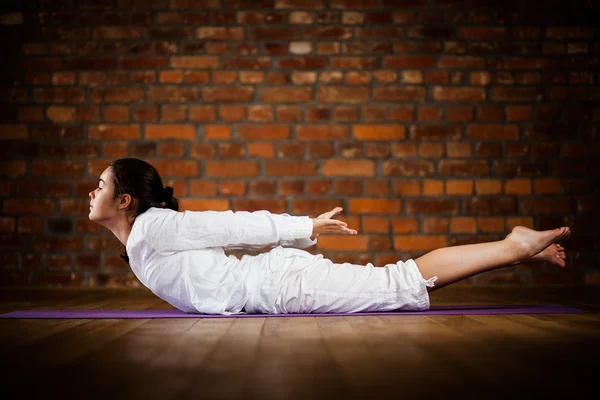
(554, 254)
(530, 243)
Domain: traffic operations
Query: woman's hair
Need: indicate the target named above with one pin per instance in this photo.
(142, 182)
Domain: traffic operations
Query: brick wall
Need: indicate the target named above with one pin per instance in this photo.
(433, 123)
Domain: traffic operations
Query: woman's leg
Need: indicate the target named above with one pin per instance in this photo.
(451, 264)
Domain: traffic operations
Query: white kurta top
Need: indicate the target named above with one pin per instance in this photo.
(180, 256)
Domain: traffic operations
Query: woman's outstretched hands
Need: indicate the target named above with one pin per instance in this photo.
(325, 224)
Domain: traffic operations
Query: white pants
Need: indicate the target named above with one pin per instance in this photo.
(288, 280)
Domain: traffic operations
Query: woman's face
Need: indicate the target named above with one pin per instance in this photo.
(102, 205)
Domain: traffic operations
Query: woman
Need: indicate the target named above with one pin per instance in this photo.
(180, 256)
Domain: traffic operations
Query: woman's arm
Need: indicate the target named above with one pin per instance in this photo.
(203, 229)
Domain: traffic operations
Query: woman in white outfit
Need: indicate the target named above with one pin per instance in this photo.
(180, 256)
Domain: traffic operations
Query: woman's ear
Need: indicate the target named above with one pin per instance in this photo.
(125, 201)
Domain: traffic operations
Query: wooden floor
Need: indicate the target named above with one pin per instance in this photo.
(354, 357)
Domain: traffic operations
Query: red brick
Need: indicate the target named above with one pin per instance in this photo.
(263, 150)
(59, 95)
(116, 32)
(399, 225)
(238, 63)
(145, 113)
(181, 132)
(290, 150)
(564, 32)
(108, 132)
(488, 186)
(432, 206)
(231, 150)
(73, 114)
(173, 94)
(303, 63)
(517, 149)
(171, 149)
(431, 150)
(459, 113)
(170, 76)
(286, 94)
(116, 113)
(501, 132)
(13, 131)
(458, 149)
(195, 62)
(518, 186)
(354, 4)
(32, 78)
(399, 93)
(385, 76)
(433, 187)
(358, 78)
(217, 132)
(64, 78)
(490, 224)
(31, 114)
(232, 188)
(546, 205)
(419, 243)
(463, 225)
(374, 113)
(220, 33)
(276, 206)
(379, 132)
(459, 187)
(322, 132)
(131, 94)
(316, 114)
(276, 33)
(437, 77)
(251, 77)
(435, 225)
(197, 77)
(348, 168)
(433, 132)
(405, 149)
(383, 33)
(13, 169)
(480, 78)
(291, 188)
(402, 113)
(342, 94)
(242, 94)
(345, 113)
(231, 168)
(203, 150)
(407, 168)
(289, 113)
(232, 113)
(458, 94)
(144, 62)
(262, 187)
(299, 4)
(206, 204)
(374, 206)
(143, 76)
(463, 168)
(430, 113)
(461, 62)
(203, 113)
(482, 33)
(548, 186)
(409, 62)
(340, 242)
(291, 168)
(264, 132)
(173, 112)
(508, 94)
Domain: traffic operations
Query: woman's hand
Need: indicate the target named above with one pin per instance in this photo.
(325, 224)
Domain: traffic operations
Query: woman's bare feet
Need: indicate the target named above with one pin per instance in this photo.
(554, 254)
(529, 243)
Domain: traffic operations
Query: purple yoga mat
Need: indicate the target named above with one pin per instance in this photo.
(173, 313)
